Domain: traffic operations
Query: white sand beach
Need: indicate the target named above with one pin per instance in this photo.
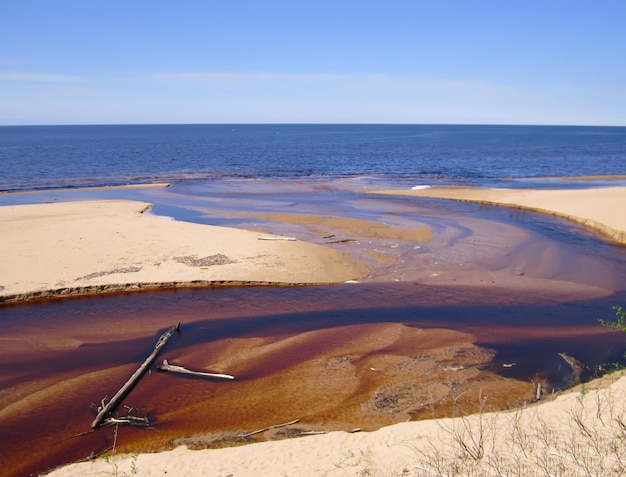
(91, 246)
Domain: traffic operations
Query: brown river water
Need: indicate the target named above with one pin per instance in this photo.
(496, 302)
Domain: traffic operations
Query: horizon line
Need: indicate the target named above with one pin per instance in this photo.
(304, 124)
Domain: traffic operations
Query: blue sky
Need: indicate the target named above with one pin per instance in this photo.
(271, 61)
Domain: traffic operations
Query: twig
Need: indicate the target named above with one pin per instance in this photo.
(133, 420)
(75, 435)
(292, 239)
(248, 434)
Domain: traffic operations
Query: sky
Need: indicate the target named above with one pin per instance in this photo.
(317, 61)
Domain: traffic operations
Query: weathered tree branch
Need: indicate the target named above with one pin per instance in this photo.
(182, 370)
(132, 381)
(248, 434)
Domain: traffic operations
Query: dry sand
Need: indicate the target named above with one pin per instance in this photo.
(71, 245)
(94, 246)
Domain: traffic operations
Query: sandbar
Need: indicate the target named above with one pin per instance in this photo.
(96, 246)
(598, 208)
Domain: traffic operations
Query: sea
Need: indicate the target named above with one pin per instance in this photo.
(49, 157)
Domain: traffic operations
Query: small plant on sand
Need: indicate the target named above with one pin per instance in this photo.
(134, 470)
(110, 458)
(113, 464)
(619, 323)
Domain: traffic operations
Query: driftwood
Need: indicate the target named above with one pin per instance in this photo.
(132, 420)
(115, 401)
(292, 239)
(340, 241)
(180, 369)
(248, 434)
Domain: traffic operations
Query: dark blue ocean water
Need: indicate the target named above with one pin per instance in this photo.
(41, 157)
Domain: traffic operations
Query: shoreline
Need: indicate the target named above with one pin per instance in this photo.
(100, 290)
(591, 179)
(150, 185)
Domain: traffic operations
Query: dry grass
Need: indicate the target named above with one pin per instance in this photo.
(590, 440)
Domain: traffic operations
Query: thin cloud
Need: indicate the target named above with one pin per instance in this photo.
(40, 77)
(366, 79)
(363, 81)
(222, 77)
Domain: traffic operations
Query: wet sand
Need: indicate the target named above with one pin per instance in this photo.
(598, 208)
(447, 312)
